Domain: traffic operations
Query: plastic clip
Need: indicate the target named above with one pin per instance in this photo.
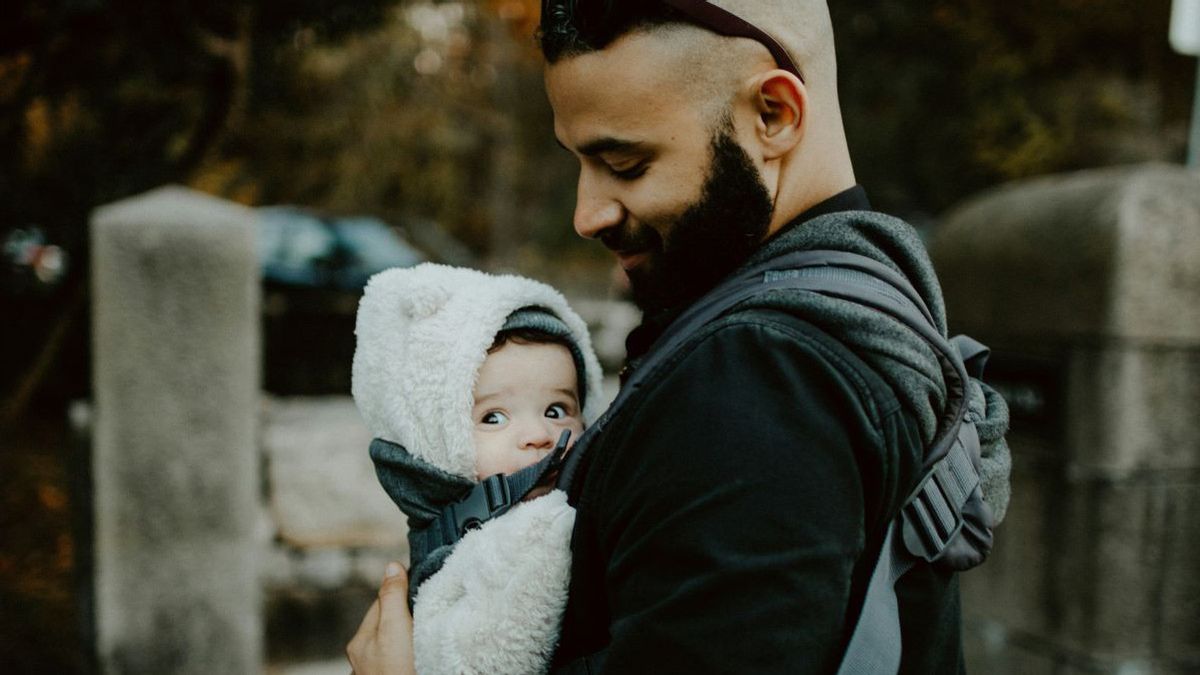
(484, 502)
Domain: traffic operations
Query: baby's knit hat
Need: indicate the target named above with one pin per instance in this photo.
(544, 321)
(423, 333)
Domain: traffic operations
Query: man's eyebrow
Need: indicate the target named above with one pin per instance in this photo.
(603, 145)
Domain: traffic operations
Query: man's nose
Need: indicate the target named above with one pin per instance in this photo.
(595, 209)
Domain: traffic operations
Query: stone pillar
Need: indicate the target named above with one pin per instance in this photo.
(1088, 288)
(176, 469)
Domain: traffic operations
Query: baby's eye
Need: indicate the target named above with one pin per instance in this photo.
(557, 411)
(493, 417)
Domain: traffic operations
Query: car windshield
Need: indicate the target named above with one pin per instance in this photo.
(292, 240)
(375, 245)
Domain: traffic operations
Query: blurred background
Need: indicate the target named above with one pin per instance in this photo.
(384, 132)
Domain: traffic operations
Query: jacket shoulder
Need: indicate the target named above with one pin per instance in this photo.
(768, 381)
(763, 335)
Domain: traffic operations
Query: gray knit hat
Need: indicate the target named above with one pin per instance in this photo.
(543, 320)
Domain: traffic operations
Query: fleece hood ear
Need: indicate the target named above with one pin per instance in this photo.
(422, 334)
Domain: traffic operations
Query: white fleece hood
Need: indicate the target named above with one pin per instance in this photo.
(423, 333)
(495, 605)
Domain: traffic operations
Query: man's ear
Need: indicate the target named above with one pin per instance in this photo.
(781, 102)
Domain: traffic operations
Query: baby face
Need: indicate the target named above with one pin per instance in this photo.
(526, 395)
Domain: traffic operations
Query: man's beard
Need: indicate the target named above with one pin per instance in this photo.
(709, 240)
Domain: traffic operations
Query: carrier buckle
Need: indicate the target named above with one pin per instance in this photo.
(932, 516)
(485, 501)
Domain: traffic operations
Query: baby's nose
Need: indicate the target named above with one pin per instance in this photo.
(537, 436)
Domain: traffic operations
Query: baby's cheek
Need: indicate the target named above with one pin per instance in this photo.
(487, 462)
(491, 462)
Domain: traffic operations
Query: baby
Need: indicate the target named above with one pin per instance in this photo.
(460, 376)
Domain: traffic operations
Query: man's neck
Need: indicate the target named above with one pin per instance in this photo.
(850, 199)
(796, 206)
(818, 170)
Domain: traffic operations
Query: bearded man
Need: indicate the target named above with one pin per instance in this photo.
(732, 511)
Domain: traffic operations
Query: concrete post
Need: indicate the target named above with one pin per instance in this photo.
(1088, 288)
(176, 469)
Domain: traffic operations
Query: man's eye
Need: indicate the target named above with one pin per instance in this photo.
(556, 411)
(632, 172)
(493, 417)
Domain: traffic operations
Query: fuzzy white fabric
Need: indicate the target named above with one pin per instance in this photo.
(423, 332)
(496, 605)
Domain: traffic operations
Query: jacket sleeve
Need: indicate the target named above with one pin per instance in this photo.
(731, 509)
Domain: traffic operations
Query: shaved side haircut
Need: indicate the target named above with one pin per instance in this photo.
(573, 27)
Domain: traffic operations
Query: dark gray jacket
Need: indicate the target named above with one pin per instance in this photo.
(729, 517)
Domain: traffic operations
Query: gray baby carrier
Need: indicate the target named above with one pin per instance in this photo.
(944, 522)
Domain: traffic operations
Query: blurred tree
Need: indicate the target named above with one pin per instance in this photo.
(438, 113)
(946, 97)
(101, 99)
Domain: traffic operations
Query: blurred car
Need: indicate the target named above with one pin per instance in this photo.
(299, 248)
(314, 268)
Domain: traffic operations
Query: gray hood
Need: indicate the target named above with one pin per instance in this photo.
(898, 354)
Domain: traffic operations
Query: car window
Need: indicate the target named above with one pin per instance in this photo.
(375, 245)
(293, 239)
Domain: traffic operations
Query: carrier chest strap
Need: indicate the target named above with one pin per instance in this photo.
(488, 499)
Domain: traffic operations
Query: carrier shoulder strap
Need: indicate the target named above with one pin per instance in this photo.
(932, 515)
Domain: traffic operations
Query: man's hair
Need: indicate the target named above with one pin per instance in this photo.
(573, 27)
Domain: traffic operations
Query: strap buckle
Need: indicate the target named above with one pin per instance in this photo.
(932, 516)
(488, 499)
(496, 494)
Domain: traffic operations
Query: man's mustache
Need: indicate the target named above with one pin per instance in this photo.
(625, 239)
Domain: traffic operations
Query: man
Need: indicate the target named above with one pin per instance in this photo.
(730, 515)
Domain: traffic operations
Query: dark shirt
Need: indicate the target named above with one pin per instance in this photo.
(730, 515)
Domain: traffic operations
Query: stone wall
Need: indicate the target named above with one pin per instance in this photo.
(1087, 286)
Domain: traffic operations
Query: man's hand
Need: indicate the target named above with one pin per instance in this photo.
(383, 644)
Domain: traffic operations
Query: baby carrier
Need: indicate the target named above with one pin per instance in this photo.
(944, 521)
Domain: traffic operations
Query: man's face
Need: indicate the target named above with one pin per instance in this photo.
(662, 184)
